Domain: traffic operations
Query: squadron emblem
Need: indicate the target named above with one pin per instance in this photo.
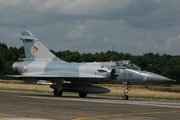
(34, 49)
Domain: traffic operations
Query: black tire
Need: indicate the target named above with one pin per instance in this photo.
(125, 97)
(57, 93)
(82, 95)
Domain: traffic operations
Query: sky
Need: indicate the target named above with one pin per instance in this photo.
(90, 26)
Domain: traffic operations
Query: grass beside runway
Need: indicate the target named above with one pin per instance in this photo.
(147, 92)
(137, 91)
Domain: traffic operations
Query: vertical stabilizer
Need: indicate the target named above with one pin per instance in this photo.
(34, 49)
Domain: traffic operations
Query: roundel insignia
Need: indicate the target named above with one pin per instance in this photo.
(25, 67)
(121, 70)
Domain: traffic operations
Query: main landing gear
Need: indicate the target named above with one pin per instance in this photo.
(128, 87)
(57, 93)
(82, 94)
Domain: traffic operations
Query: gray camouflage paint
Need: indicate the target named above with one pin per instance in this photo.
(40, 63)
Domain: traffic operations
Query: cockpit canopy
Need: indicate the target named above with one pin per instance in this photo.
(127, 64)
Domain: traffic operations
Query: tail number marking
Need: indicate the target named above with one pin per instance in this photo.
(127, 74)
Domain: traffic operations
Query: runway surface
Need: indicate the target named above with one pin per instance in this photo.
(35, 106)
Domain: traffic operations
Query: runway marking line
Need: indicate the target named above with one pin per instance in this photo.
(130, 114)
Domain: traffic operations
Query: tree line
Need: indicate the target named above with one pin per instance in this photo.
(166, 65)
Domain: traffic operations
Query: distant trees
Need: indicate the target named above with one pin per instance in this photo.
(166, 65)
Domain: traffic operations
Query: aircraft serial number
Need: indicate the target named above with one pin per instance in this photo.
(127, 74)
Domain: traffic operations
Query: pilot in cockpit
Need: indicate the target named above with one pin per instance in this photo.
(127, 64)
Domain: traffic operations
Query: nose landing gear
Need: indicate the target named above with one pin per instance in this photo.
(128, 87)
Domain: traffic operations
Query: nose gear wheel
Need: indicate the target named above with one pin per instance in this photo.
(128, 87)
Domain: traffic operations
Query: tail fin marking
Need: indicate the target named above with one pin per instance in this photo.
(34, 49)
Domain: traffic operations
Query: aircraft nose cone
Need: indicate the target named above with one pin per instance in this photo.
(155, 78)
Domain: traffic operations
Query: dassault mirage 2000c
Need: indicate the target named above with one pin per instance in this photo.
(41, 64)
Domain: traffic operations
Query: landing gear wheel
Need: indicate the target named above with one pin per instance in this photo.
(82, 95)
(57, 93)
(125, 97)
(128, 87)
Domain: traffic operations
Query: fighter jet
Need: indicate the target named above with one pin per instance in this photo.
(41, 64)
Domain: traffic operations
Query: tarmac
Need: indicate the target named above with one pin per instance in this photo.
(43, 106)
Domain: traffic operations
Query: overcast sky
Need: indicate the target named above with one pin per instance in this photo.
(89, 26)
